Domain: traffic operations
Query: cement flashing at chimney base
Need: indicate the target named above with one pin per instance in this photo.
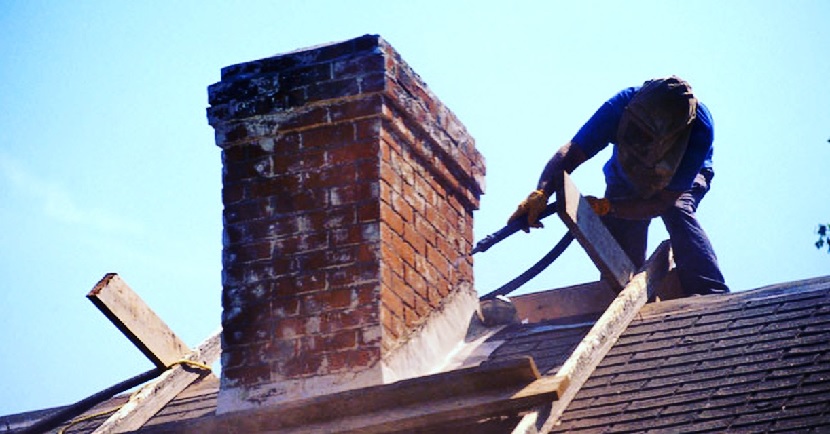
(434, 340)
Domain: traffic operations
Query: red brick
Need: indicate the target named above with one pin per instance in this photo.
(277, 349)
(367, 129)
(368, 212)
(343, 152)
(422, 306)
(392, 219)
(350, 360)
(245, 211)
(290, 328)
(356, 108)
(359, 66)
(287, 144)
(323, 301)
(373, 82)
(306, 283)
(439, 262)
(391, 325)
(303, 365)
(328, 136)
(410, 319)
(402, 208)
(392, 302)
(307, 161)
(364, 315)
(232, 193)
(368, 253)
(249, 375)
(353, 193)
(332, 89)
(339, 340)
(340, 256)
(345, 277)
(345, 236)
(285, 184)
(368, 170)
(427, 232)
(331, 176)
(339, 217)
(415, 283)
(415, 239)
(254, 252)
(305, 118)
(296, 243)
(283, 307)
(401, 248)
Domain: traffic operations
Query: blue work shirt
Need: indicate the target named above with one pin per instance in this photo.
(601, 129)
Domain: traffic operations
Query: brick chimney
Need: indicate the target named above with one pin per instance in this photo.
(348, 192)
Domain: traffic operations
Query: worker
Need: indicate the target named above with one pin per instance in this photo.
(661, 166)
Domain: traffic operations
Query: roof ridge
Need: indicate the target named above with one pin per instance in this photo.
(698, 302)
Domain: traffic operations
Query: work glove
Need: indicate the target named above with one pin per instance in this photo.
(600, 205)
(531, 207)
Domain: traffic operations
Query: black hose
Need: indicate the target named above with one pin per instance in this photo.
(510, 229)
(531, 272)
(64, 414)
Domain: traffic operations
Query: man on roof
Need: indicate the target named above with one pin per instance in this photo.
(661, 166)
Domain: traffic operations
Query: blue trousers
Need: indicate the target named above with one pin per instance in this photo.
(697, 264)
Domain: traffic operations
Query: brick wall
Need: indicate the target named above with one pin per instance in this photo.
(348, 193)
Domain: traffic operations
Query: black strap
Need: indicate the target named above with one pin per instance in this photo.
(531, 272)
(510, 229)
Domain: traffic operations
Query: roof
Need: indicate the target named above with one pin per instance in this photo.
(753, 361)
(756, 361)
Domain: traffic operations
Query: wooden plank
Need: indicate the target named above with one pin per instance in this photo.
(599, 340)
(463, 395)
(461, 382)
(591, 233)
(151, 398)
(432, 413)
(583, 300)
(137, 321)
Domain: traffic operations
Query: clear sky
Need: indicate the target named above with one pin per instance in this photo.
(107, 163)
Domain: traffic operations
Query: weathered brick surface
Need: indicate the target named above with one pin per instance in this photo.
(348, 197)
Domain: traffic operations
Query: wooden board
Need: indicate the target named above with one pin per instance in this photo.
(592, 235)
(152, 397)
(137, 321)
(599, 340)
(469, 394)
(583, 300)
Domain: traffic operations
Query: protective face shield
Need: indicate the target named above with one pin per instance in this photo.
(654, 132)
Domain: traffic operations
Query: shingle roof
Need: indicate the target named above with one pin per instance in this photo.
(756, 361)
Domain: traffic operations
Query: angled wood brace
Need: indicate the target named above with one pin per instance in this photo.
(636, 288)
(118, 302)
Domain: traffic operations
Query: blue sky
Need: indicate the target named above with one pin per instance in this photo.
(107, 163)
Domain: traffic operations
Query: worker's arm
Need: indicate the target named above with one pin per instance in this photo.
(567, 158)
(637, 209)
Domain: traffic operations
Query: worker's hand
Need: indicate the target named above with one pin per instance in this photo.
(531, 207)
(600, 205)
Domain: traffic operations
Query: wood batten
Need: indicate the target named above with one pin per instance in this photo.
(592, 235)
(140, 324)
(603, 335)
(464, 395)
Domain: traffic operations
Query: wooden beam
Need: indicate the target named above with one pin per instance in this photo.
(583, 300)
(153, 396)
(599, 340)
(137, 321)
(469, 394)
(591, 233)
